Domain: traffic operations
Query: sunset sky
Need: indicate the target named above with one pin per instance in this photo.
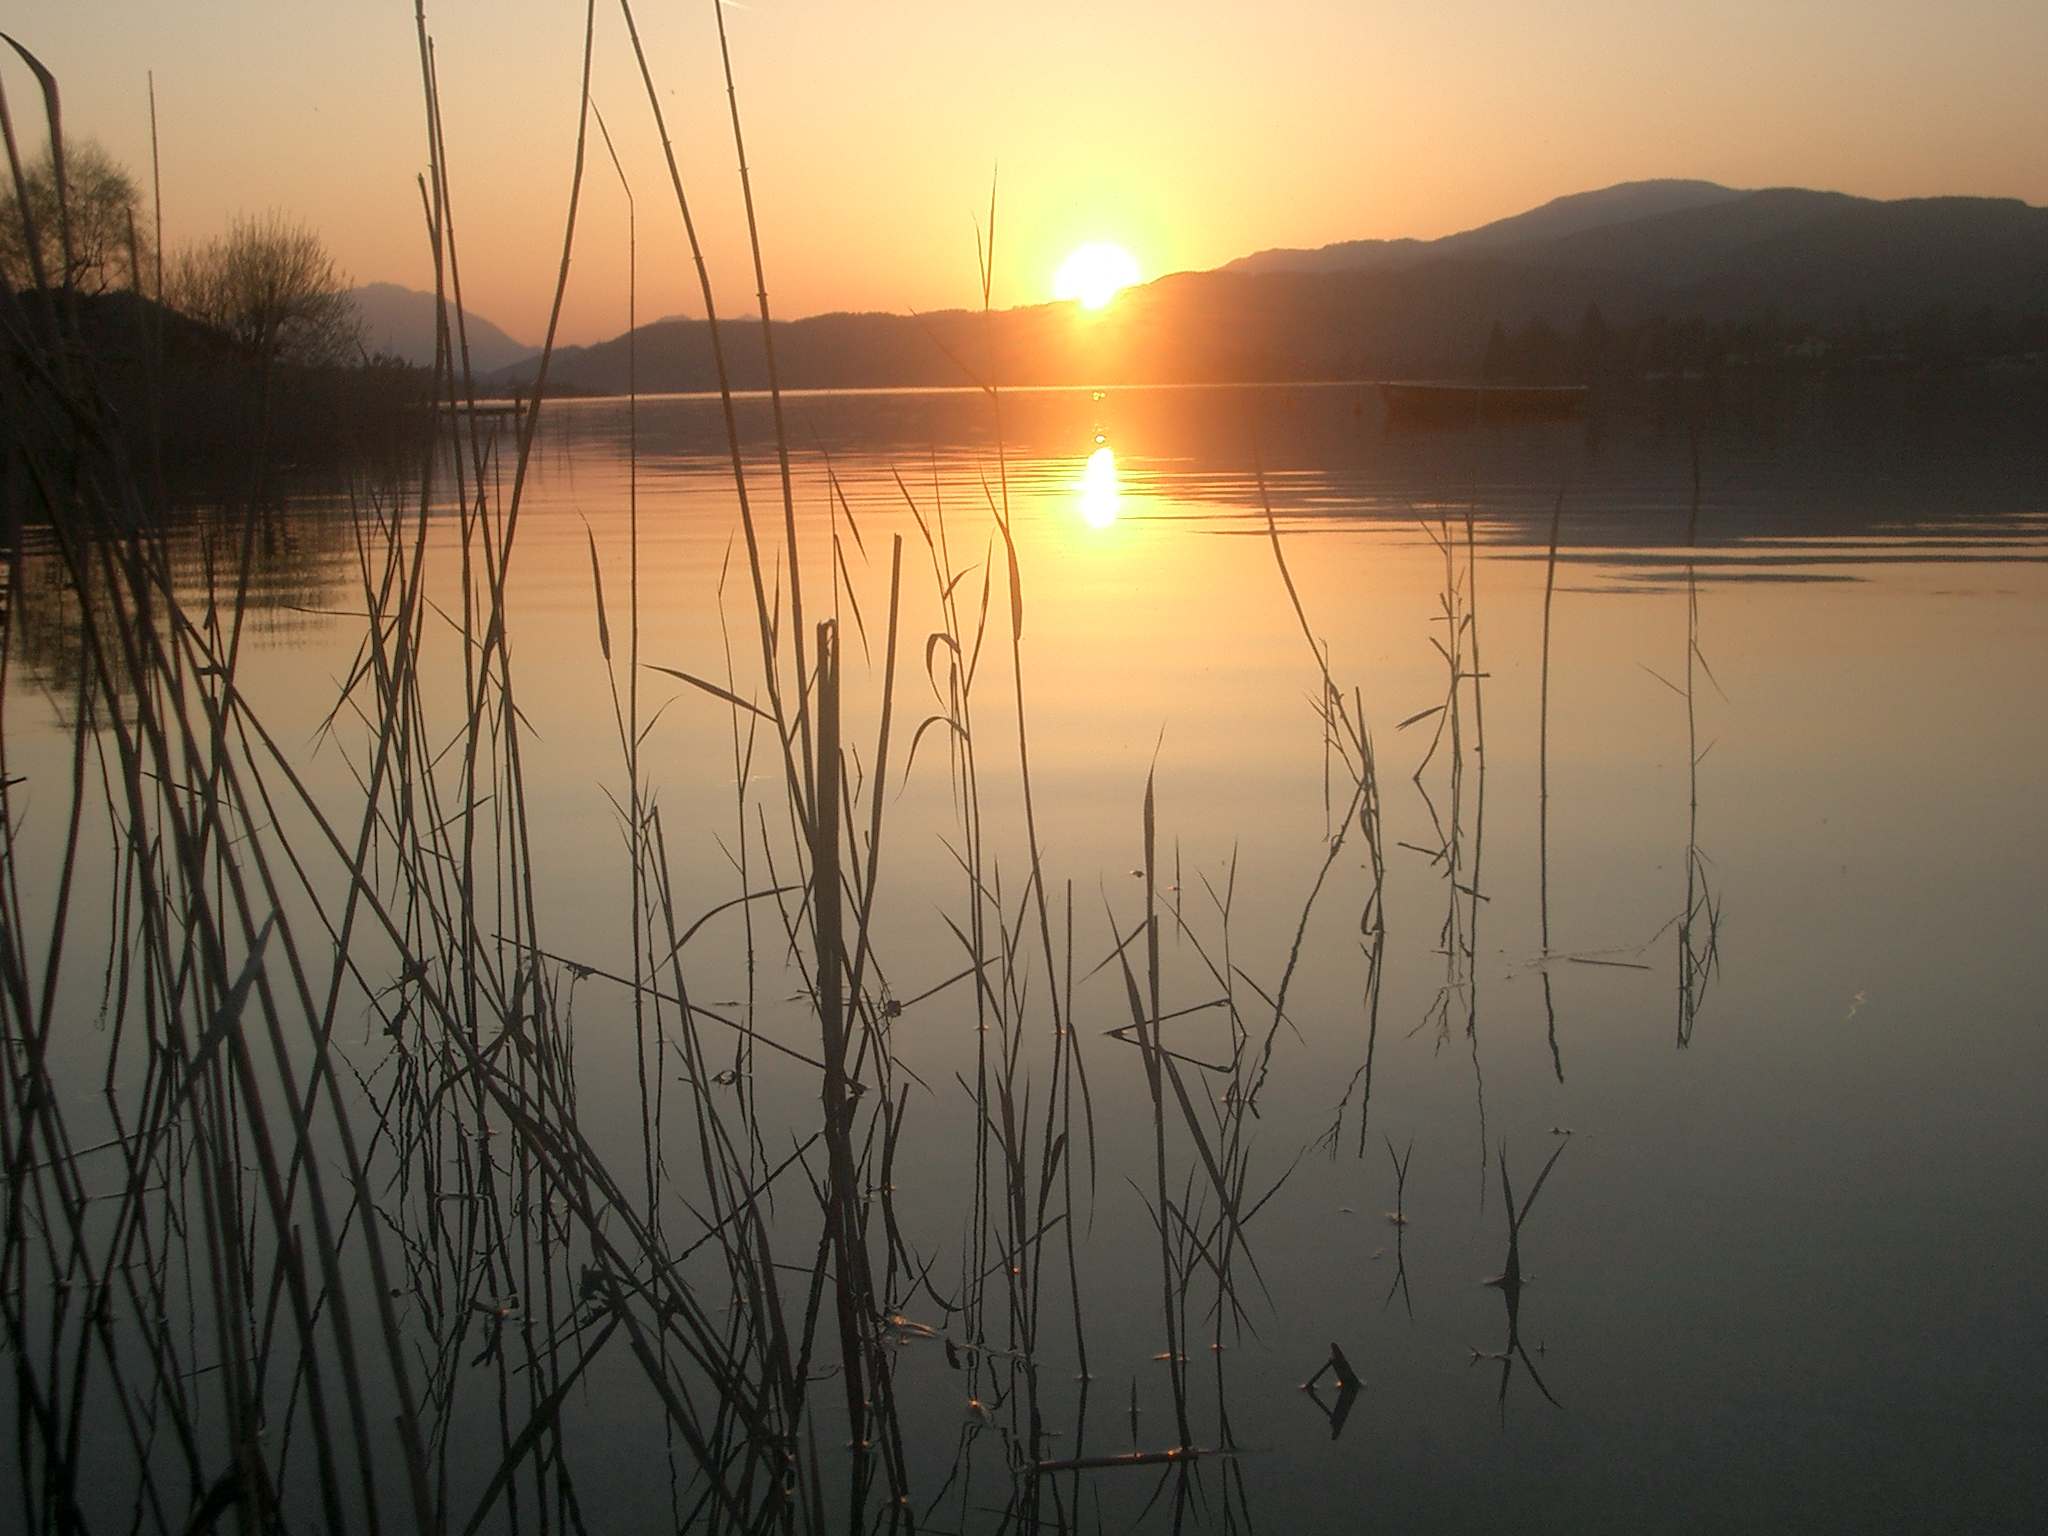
(1189, 133)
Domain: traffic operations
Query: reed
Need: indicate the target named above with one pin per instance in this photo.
(1699, 925)
(1543, 785)
(1458, 852)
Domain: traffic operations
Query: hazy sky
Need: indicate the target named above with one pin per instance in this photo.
(1190, 132)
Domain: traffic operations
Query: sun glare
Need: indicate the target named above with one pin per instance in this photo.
(1094, 273)
(1099, 491)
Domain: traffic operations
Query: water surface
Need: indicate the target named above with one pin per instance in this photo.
(1786, 1026)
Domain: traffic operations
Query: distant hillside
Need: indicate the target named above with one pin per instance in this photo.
(1711, 274)
(1824, 256)
(1556, 219)
(401, 321)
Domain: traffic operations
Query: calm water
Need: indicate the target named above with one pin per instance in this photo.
(1787, 1027)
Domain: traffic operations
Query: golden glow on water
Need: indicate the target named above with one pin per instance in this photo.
(1094, 274)
(1101, 497)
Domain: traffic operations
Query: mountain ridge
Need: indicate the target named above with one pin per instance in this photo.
(1561, 216)
(403, 322)
(1796, 272)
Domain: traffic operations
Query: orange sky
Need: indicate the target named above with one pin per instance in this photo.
(1190, 132)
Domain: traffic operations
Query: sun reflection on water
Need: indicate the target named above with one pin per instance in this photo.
(1100, 495)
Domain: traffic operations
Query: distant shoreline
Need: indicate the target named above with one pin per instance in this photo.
(2029, 372)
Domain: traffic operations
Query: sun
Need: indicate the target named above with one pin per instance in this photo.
(1094, 273)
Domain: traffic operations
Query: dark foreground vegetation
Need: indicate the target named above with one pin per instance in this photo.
(192, 410)
(223, 369)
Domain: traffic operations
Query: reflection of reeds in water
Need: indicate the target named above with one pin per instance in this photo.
(1349, 1384)
(1345, 733)
(1398, 1217)
(1699, 923)
(1458, 935)
(1510, 1281)
(1543, 789)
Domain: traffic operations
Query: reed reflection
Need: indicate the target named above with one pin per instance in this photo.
(1398, 1219)
(1543, 788)
(1458, 937)
(1699, 923)
(1348, 1382)
(1509, 1283)
(282, 562)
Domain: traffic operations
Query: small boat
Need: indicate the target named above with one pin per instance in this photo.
(1454, 405)
(484, 405)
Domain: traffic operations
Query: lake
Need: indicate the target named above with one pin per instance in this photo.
(1654, 822)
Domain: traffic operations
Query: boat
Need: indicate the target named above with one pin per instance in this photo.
(484, 406)
(1455, 405)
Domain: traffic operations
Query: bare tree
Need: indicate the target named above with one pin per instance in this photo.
(271, 285)
(99, 205)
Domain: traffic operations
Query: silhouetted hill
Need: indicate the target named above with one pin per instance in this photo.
(1713, 275)
(402, 322)
(1559, 217)
(1823, 256)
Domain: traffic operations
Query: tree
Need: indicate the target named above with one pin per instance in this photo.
(271, 285)
(102, 205)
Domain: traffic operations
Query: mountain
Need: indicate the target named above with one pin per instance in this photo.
(402, 321)
(1682, 276)
(1559, 217)
(1823, 255)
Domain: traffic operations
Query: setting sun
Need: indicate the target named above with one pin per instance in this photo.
(1094, 274)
